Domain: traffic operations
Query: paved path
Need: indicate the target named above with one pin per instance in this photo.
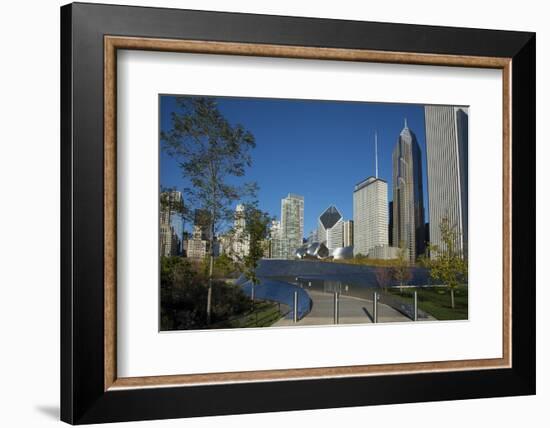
(352, 311)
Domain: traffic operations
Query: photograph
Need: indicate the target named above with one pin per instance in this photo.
(268, 210)
(290, 212)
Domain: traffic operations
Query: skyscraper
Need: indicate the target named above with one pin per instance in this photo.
(390, 225)
(408, 205)
(275, 239)
(199, 245)
(370, 215)
(330, 230)
(202, 228)
(348, 233)
(447, 164)
(169, 241)
(237, 243)
(292, 224)
(171, 223)
(170, 200)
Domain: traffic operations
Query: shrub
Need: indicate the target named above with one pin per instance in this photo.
(184, 289)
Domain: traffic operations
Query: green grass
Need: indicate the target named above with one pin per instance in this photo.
(437, 301)
(263, 315)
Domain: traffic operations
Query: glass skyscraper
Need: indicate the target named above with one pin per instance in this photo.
(408, 197)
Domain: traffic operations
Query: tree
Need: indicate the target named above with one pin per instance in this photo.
(224, 266)
(256, 233)
(170, 204)
(383, 276)
(210, 152)
(447, 263)
(402, 270)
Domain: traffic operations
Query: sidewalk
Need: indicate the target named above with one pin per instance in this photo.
(352, 311)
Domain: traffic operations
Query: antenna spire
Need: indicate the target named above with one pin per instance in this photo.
(406, 123)
(376, 152)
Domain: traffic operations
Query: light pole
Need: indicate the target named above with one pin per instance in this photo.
(295, 306)
(336, 307)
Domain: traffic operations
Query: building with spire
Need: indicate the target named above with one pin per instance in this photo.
(447, 168)
(408, 197)
(370, 214)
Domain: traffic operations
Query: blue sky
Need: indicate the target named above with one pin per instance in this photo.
(318, 149)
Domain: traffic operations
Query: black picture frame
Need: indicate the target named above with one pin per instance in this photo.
(83, 398)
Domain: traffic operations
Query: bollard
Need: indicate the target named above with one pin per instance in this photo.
(336, 307)
(375, 307)
(415, 306)
(295, 306)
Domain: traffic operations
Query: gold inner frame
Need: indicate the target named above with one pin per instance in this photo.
(113, 43)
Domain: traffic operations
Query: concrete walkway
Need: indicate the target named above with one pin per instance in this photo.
(353, 310)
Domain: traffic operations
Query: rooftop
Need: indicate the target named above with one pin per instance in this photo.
(366, 182)
(330, 217)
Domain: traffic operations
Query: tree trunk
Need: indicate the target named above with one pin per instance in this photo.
(452, 298)
(209, 295)
(210, 275)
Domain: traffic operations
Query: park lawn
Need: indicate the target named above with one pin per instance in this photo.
(437, 301)
(263, 315)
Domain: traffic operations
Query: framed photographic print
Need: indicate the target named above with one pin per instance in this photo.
(266, 213)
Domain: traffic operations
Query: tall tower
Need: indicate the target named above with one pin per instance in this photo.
(408, 205)
(370, 216)
(292, 224)
(447, 162)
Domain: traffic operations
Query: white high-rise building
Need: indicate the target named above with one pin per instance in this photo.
(275, 240)
(335, 236)
(196, 248)
(292, 224)
(447, 168)
(370, 215)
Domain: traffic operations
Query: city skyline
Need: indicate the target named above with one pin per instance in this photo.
(358, 179)
(355, 123)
